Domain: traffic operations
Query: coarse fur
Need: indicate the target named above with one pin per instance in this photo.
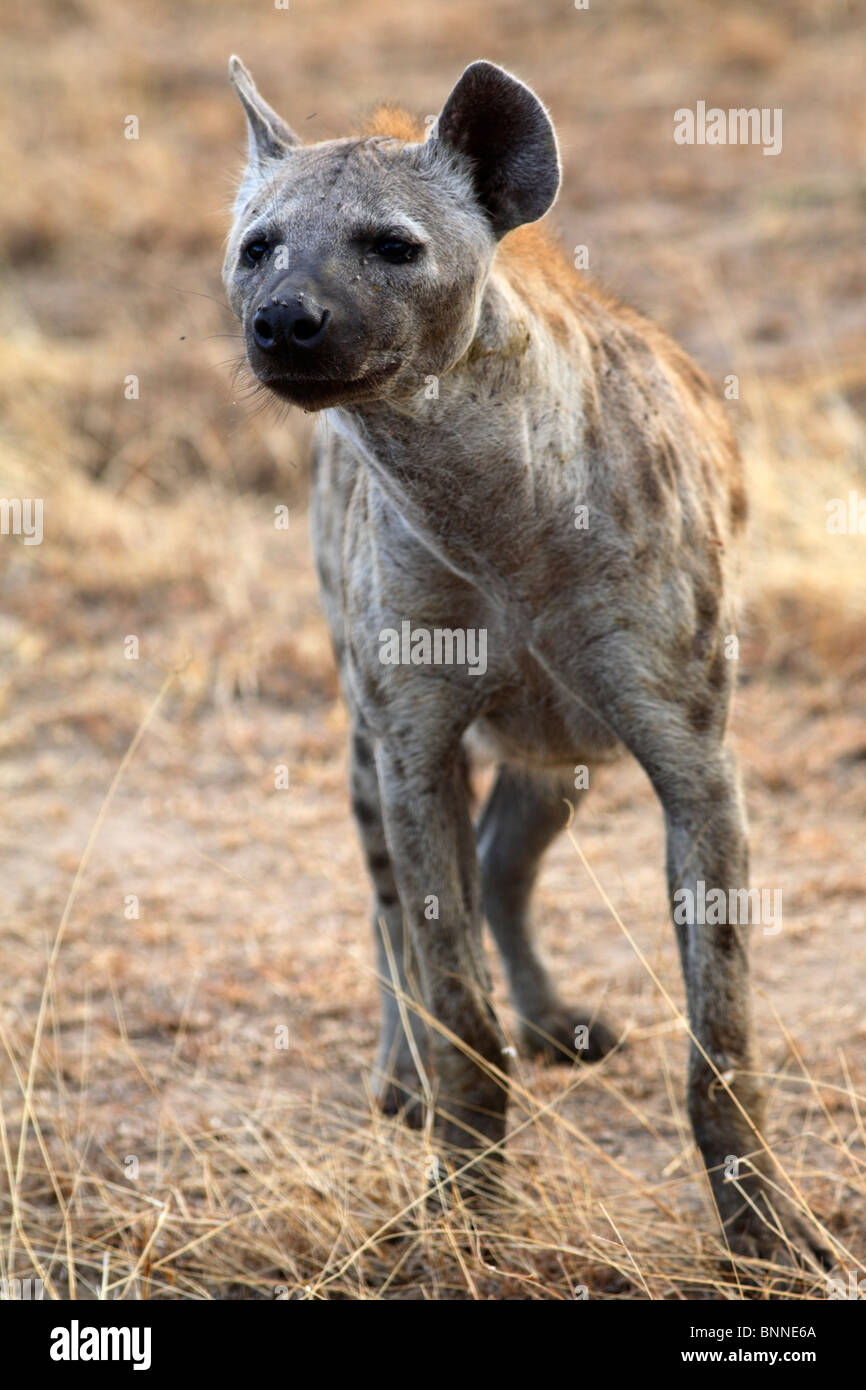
(503, 448)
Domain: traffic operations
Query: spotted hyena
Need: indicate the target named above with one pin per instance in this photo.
(508, 464)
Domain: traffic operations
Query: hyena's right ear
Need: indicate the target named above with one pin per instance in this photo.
(270, 137)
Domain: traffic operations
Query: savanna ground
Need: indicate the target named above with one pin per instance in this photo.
(156, 1142)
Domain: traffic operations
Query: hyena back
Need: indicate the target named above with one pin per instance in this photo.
(504, 450)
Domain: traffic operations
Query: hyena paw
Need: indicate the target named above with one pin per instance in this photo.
(398, 1094)
(565, 1036)
(768, 1227)
(480, 1181)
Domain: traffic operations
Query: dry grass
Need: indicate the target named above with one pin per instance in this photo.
(293, 1197)
(263, 1172)
(300, 1197)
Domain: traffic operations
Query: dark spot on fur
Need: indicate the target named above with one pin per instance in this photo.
(362, 750)
(701, 714)
(702, 642)
(667, 456)
(379, 862)
(718, 670)
(739, 504)
(620, 509)
(388, 899)
(727, 937)
(558, 326)
(706, 604)
(613, 350)
(364, 812)
(648, 479)
(717, 788)
(715, 551)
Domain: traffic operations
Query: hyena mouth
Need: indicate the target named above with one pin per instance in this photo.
(319, 392)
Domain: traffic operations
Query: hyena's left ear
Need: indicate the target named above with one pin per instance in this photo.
(505, 131)
(270, 137)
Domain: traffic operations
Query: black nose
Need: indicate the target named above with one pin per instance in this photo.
(298, 321)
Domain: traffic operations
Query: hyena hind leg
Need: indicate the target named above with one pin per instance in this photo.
(523, 815)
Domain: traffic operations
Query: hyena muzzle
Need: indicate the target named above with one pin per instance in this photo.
(525, 502)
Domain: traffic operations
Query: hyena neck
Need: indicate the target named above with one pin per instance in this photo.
(457, 457)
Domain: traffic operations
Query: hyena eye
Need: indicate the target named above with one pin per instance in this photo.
(255, 252)
(396, 250)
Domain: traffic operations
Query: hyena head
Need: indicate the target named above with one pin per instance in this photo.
(357, 266)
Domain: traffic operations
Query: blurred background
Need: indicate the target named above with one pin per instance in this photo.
(158, 517)
(112, 249)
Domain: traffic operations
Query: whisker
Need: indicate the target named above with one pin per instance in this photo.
(199, 295)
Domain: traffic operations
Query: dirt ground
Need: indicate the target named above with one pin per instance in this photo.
(156, 1138)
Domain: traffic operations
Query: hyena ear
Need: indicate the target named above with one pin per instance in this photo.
(504, 129)
(270, 137)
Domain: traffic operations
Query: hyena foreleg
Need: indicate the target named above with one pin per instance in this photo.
(674, 726)
(403, 1036)
(429, 830)
(707, 850)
